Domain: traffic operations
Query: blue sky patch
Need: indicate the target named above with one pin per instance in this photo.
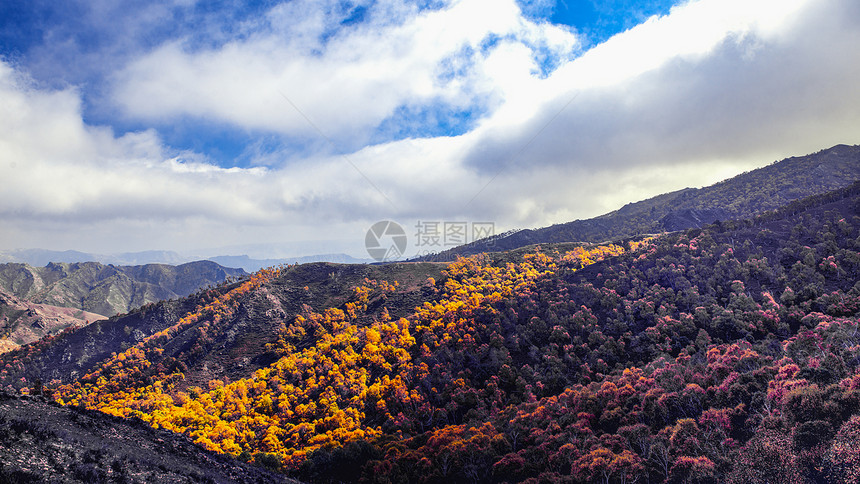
(429, 121)
(598, 20)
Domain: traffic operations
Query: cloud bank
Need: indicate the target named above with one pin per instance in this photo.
(534, 130)
(302, 71)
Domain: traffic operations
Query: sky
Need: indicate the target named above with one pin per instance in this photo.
(288, 128)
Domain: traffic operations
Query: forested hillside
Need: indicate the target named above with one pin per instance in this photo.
(723, 354)
(743, 196)
(250, 315)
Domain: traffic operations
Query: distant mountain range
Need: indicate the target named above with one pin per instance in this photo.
(742, 196)
(109, 289)
(42, 257)
(39, 301)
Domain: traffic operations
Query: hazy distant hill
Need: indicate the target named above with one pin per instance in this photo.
(101, 289)
(41, 257)
(740, 197)
(252, 265)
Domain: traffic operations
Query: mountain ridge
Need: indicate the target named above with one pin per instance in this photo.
(253, 322)
(251, 265)
(739, 197)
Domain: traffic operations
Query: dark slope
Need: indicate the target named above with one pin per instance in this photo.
(109, 289)
(736, 198)
(44, 442)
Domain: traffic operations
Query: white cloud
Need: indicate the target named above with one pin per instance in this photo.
(56, 167)
(346, 84)
(714, 80)
(714, 88)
